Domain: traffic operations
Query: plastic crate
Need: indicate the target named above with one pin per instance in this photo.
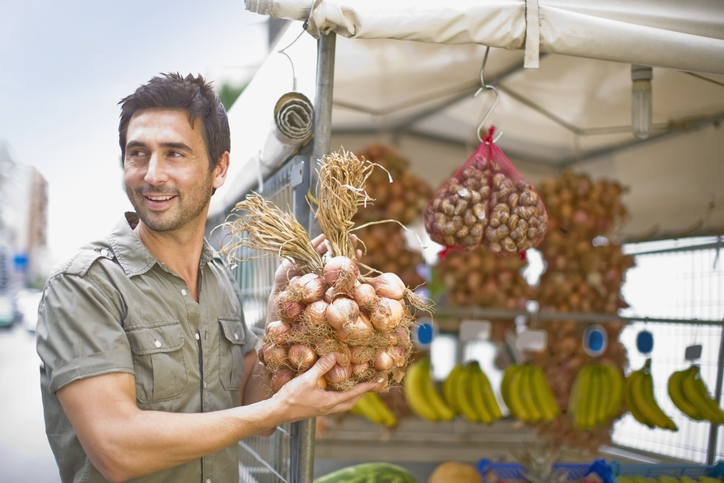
(654, 471)
(576, 471)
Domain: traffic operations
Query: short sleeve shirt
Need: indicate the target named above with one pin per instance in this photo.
(114, 307)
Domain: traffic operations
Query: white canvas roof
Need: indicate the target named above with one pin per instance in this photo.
(406, 72)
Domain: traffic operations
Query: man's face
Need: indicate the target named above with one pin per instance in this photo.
(166, 169)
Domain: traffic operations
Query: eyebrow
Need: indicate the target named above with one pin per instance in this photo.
(168, 145)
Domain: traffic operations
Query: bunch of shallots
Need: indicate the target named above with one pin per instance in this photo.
(364, 317)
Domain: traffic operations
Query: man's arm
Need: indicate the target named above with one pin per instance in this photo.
(123, 441)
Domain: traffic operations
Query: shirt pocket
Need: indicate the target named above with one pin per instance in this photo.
(158, 361)
(231, 356)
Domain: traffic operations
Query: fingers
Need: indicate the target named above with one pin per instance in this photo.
(323, 365)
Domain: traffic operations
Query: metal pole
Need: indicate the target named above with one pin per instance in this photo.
(714, 428)
(326, 48)
(302, 432)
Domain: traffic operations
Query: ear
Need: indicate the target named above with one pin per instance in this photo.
(221, 170)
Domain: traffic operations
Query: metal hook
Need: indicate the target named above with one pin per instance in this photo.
(482, 87)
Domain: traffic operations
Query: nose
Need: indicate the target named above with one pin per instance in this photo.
(156, 170)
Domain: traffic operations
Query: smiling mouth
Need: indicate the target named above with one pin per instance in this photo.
(160, 198)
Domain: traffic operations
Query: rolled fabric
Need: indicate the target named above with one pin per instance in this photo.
(292, 126)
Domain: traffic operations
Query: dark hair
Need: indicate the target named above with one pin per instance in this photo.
(195, 96)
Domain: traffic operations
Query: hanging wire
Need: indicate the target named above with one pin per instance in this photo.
(283, 52)
(484, 86)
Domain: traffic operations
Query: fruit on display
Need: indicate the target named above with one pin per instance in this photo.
(331, 305)
(402, 200)
(372, 407)
(468, 392)
(422, 395)
(596, 396)
(583, 208)
(379, 472)
(689, 393)
(667, 479)
(481, 278)
(640, 400)
(527, 394)
(454, 471)
(585, 269)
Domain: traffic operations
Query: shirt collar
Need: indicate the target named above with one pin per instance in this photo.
(133, 255)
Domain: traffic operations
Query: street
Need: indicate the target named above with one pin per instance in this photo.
(25, 455)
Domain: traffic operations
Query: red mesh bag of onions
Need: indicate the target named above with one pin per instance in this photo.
(337, 304)
(487, 202)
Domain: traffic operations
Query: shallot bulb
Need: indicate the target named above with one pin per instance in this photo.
(360, 354)
(273, 355)
(387, 314)
(289, 307)
(341, 273)
(338, 374)
(301, 357)
(359, 370)
(365, 296)
(383, 360)
(355, 332)
(310, 287)
(342, 311)
(389, 285)
(281, 377)
(315, 314)
(278, 331)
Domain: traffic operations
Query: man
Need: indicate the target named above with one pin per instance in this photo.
(149, 370)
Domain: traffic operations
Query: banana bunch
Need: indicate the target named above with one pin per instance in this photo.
(689, 393)
(372, 407)
(468, 392)
(640, 401)
(596, 395)
(421, 394)
(527, 394)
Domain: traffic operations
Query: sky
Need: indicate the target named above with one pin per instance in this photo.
(65, 65)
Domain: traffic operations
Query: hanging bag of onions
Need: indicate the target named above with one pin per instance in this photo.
(337, 305)
(487, 202)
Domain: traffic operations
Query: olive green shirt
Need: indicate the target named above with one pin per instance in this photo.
(115, 308)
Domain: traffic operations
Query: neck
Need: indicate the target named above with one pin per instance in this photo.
(178, 250)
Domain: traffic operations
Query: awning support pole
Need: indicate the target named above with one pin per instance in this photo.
(714, 429)
(303, 431)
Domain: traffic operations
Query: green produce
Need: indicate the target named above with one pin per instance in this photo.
(377, 472)
(596, 395)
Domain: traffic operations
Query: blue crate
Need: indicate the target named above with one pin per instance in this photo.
(576, 471)
(654, 471)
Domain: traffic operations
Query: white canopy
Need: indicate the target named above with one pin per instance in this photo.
(574, 110)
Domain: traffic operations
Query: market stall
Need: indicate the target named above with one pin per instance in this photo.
(404, 75)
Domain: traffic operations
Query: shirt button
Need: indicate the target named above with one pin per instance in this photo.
(208, 480)
(183, 291)
(157, 343)
(236, 336)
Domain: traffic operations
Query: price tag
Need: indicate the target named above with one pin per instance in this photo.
(595, 340)
(645, 342)
(693, 352)
(424, 333)
(474, 330)
(532, 340)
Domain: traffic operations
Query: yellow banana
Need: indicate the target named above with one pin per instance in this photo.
(614, 389)
(364, 407)
(491, 403)
(579, 398)
(526, 395)
(650, 406)
(476, 392)
(448, 387)
(415, 385)
(463, 395)
(594, 397)
(697, 393)
(633, 398)
(543, 395)
(676, 393)
(517, 408)
(386, 415)
(505, 388)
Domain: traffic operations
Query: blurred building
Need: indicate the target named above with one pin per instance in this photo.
(23, 224)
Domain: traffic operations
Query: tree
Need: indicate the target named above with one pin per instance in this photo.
(228, 94)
